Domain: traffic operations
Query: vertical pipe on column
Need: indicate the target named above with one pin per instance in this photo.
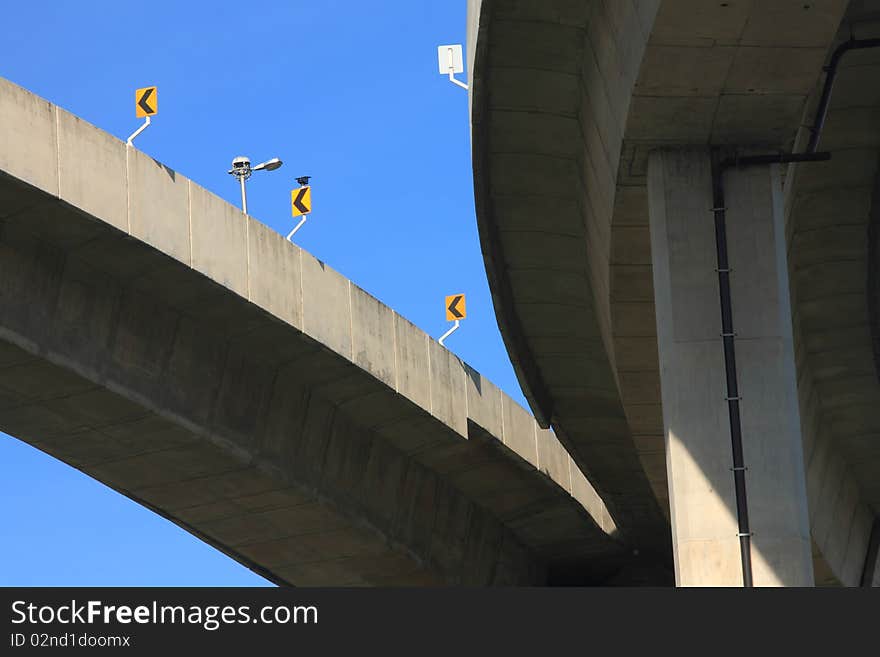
(727, 336)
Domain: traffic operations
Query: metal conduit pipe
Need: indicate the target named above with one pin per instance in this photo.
(728, 334)
(830, 76)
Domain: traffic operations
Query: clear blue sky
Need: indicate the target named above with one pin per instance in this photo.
(342, 90)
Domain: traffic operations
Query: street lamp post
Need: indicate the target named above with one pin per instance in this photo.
(241, 169)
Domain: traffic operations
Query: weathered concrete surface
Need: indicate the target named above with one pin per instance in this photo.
(185, 355)
(830, 214)
(543, 183)
(568, 99)
(692, 371)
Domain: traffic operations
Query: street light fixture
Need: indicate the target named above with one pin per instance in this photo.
(269, 165)
(241, 169)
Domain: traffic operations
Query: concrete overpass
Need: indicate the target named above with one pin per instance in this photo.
(157, 339)
(592, 128)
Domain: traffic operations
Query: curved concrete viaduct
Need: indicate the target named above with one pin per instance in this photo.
(570, 101)
(185, 355)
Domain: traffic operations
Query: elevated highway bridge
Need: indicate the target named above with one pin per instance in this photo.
(187, 356)
(594, 126)
(698, 344)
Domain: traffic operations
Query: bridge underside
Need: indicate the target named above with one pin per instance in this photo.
(190, 358)
(569, 99)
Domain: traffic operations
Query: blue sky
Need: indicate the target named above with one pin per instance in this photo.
(347, 92)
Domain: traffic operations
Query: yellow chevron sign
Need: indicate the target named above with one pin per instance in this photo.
(145, 102)
(455, 307)
(301, 201)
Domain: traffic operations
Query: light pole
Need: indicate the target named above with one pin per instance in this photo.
(241, 169)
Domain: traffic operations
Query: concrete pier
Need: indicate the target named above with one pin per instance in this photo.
(692, 373)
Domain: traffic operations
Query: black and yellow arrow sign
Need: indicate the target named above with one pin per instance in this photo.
(301, 201)
(145, 102)
(455, 307)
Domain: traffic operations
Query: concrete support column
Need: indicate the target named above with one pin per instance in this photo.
(692, 374)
